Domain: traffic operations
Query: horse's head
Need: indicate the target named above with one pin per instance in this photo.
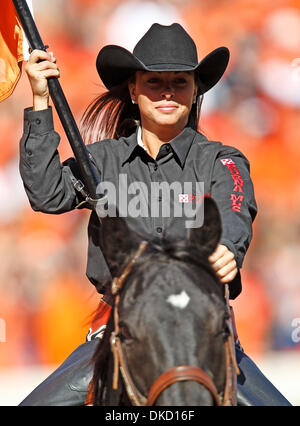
(171, 312)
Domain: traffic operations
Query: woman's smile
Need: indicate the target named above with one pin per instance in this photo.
(166, 107)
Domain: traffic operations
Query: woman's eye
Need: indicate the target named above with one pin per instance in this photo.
(180, 81)
(153, 80)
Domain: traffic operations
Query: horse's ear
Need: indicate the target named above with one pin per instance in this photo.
(207, 236)
(117, 241)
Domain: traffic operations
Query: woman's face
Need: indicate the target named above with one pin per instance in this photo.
(164, 99)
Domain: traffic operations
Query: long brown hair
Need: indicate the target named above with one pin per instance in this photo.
(112, 115)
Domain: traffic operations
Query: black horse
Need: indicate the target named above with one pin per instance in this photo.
(168, 330)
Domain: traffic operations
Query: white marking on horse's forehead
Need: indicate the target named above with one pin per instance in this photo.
(180, 300)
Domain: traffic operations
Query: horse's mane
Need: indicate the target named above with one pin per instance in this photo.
(184, 253)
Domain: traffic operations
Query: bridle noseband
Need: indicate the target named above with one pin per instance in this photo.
(179, 374)
(174, 374)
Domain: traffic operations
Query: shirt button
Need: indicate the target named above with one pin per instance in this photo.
(155, 167)
(38, 121)
(29, 153)
(168, 148)
(159, 229)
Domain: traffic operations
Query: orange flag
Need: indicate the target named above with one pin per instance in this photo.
(11, 49)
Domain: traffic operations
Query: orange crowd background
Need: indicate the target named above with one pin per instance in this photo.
(46, 301)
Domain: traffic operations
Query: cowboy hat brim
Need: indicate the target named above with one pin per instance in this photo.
(116, 64)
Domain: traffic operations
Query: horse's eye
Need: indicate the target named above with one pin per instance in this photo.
(124, 333)
(226, 330)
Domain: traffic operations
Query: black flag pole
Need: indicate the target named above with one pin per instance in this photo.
(89, 177)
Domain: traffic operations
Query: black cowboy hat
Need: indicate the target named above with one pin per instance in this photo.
(162, 48)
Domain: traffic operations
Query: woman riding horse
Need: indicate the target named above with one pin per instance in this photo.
(148, 120)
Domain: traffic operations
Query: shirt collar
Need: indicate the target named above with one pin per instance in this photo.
(131, 145)
(180, 144)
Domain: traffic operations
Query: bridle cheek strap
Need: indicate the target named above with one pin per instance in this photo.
(179, 374)
(119, 363)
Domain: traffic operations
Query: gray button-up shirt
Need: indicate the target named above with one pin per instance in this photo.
(190, 165)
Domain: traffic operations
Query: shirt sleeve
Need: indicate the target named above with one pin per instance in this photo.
(47, 181)
(233, 191)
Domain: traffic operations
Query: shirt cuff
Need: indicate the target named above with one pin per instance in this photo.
(38, 122)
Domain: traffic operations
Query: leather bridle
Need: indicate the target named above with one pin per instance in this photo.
(174, 374)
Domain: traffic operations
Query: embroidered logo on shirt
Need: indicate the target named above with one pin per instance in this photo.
(238, 183)
(226, 161)
(236, 202)
(189, 198)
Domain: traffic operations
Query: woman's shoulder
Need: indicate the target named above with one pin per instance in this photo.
(218, 147)
(107, 148)
(102, 145)
(111, 144)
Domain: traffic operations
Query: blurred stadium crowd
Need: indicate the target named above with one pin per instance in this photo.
(45, 299)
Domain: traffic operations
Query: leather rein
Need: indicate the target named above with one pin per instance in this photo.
(174, 374)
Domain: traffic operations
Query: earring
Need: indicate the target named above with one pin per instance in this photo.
(132, 101)
(195, 100)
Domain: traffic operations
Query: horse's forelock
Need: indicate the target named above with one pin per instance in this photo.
(180, 253)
